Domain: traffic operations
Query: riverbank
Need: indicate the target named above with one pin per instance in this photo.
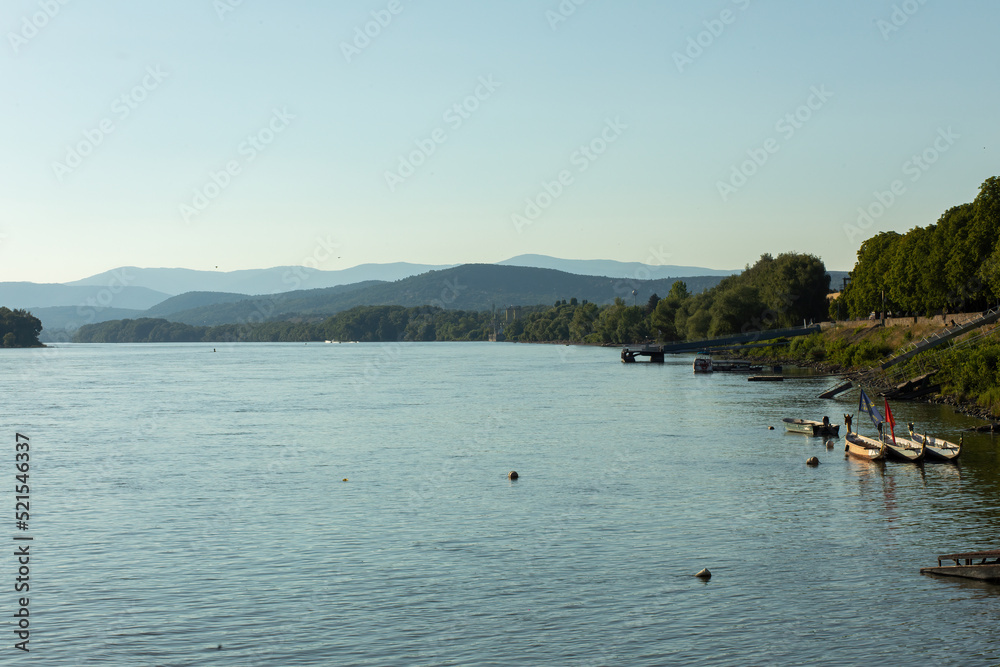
(968, 371)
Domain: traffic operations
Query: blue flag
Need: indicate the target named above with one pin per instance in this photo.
(865, 405)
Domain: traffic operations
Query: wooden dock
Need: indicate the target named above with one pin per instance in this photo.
(631, 353)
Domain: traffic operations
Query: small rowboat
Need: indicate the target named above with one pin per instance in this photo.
(864, 447)
(987, 569)
(810, 427)
(904, 450)
(939, 450)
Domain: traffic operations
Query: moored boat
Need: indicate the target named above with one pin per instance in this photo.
(708, 365)
(966, 566)
(863, 447)
(903, 449)
(937, 449)
(810, 427)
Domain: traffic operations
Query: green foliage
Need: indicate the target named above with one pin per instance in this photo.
(19, 328)
(953, 265)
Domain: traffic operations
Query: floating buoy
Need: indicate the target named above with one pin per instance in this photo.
(512, 474)
(704, 574)
(345, 479)
(812, 461)
(770, 428)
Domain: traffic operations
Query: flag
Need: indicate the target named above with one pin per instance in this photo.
(892, 422)
(865, 405)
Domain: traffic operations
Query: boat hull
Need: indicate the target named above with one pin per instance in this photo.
(904, 450)
(808, 427)
(863, 447)
(937, 450)
(989, 572)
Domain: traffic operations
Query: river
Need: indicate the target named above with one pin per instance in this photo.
(348, 504)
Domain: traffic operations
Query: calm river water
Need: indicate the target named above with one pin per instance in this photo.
(348, 504)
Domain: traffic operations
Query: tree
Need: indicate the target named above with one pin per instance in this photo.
(22, 326)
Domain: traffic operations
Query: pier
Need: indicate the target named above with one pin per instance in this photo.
(656, 352)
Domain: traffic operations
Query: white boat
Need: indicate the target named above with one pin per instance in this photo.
(863, 447)
(934, 448)
(810, 427)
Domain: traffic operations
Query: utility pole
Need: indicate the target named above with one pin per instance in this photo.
(883, 308)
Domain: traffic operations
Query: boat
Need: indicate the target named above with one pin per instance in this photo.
(903, 449)
(900, 449)
(987, 569)
(936, 449)
(863, 447)
(707, 365)
(810, 427)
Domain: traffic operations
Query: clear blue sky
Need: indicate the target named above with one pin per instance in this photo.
(115, 115)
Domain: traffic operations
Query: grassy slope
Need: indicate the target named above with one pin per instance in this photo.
(969, 374)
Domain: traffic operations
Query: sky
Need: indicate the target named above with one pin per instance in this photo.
(238, 134)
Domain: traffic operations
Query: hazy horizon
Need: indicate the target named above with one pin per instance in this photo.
(246, 135)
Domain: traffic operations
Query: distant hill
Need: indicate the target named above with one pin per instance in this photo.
(466, 287)
(71, 318)
(259, 307)
(614, 269)
(255, 281)
(108, 295)
(279, 279)
(191, 300)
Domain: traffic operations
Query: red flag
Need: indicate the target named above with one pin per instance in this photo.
(892, 422)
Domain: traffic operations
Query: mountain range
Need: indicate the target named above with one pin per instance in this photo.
(214, 297)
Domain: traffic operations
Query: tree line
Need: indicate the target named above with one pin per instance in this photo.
(950, 266)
